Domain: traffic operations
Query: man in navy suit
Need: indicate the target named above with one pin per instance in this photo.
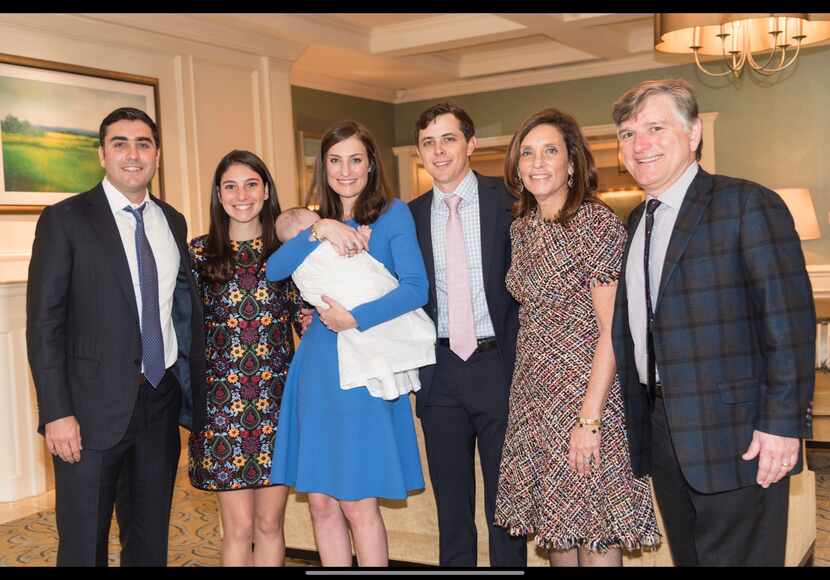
(115, 344)
(463, 398)
(714, 336)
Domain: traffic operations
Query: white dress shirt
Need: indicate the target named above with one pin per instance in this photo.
(665, 217)
(165, 252)
(468, 210)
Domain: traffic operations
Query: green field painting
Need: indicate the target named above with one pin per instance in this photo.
(53, 161)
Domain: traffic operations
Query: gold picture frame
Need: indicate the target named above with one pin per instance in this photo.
(49, 117)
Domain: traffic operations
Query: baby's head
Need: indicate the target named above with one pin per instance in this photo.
(292, 221)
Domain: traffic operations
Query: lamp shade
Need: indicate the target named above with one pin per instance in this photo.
(800, 204)
(687, 32)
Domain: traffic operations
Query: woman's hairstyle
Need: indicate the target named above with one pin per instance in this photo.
(584, 186)
(218, 252)
(374, 198)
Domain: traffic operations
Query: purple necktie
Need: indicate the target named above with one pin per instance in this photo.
(462, 330)
(152, 341)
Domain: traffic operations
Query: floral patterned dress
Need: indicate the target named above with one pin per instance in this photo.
(551, 275)
(248, 345)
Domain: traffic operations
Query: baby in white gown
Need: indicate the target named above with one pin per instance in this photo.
(384, 358)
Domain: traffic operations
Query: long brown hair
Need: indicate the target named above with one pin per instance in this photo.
(584, 186)
(374, 198)
(218, 253)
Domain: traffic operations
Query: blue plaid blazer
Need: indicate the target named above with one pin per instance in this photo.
(734, 334)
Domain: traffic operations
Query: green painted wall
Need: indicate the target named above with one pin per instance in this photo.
(774, 132)
(315, 111)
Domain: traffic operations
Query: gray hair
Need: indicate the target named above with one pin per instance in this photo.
(681, 94)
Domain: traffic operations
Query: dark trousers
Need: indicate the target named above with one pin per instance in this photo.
(468, 405)
(741, 527)
(85, 491)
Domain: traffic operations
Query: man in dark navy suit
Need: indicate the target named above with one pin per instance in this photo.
(714, 337)
(115, 344)
(463, 227)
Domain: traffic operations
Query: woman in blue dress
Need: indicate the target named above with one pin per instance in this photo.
(345, 447)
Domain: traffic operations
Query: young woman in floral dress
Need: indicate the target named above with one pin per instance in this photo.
(249, 343)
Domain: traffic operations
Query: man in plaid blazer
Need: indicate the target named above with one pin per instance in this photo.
(714, 337)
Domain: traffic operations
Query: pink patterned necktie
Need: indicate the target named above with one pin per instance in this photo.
(462, 331)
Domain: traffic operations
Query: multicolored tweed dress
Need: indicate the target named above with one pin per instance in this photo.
(552, 272)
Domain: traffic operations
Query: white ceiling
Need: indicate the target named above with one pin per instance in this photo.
(407, 57)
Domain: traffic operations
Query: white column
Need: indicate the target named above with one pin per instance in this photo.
(407, 157)
(25, 465)
(281, 138)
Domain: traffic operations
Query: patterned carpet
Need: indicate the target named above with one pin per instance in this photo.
(194, 534)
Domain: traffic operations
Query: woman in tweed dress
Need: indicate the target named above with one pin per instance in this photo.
(565, 470)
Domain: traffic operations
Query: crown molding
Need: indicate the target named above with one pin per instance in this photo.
(543, 54)
(608, 44)
(309, 79)
(170, 35)
(304, 29)
(335, 23)
(534, 77)
(205, 29)
(434, 33)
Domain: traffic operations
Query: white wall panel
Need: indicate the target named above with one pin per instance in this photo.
(25, 465)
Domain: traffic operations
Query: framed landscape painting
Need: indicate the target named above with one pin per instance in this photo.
(49, 118)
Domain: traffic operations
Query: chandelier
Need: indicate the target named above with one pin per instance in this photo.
(739, 37)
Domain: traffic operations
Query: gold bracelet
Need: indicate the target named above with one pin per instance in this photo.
(583, 422)
(314, 236)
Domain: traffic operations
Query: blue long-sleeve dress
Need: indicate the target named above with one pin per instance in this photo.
(346, 443)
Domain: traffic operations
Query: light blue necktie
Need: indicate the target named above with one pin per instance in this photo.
(152, 343)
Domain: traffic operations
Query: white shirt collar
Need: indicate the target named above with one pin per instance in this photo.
(117, 200)
(676, 192)
(465, 188)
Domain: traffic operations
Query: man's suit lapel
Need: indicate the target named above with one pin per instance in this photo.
(688, 218)
(423, 227)
(488, 207)
(111, 246)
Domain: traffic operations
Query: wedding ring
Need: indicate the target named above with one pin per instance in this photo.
(785, 464)
(589, 460)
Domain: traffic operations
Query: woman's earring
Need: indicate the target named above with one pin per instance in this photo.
(521, 183)
(570, 176)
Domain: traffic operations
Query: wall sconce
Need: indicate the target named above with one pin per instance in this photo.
(800, 204)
